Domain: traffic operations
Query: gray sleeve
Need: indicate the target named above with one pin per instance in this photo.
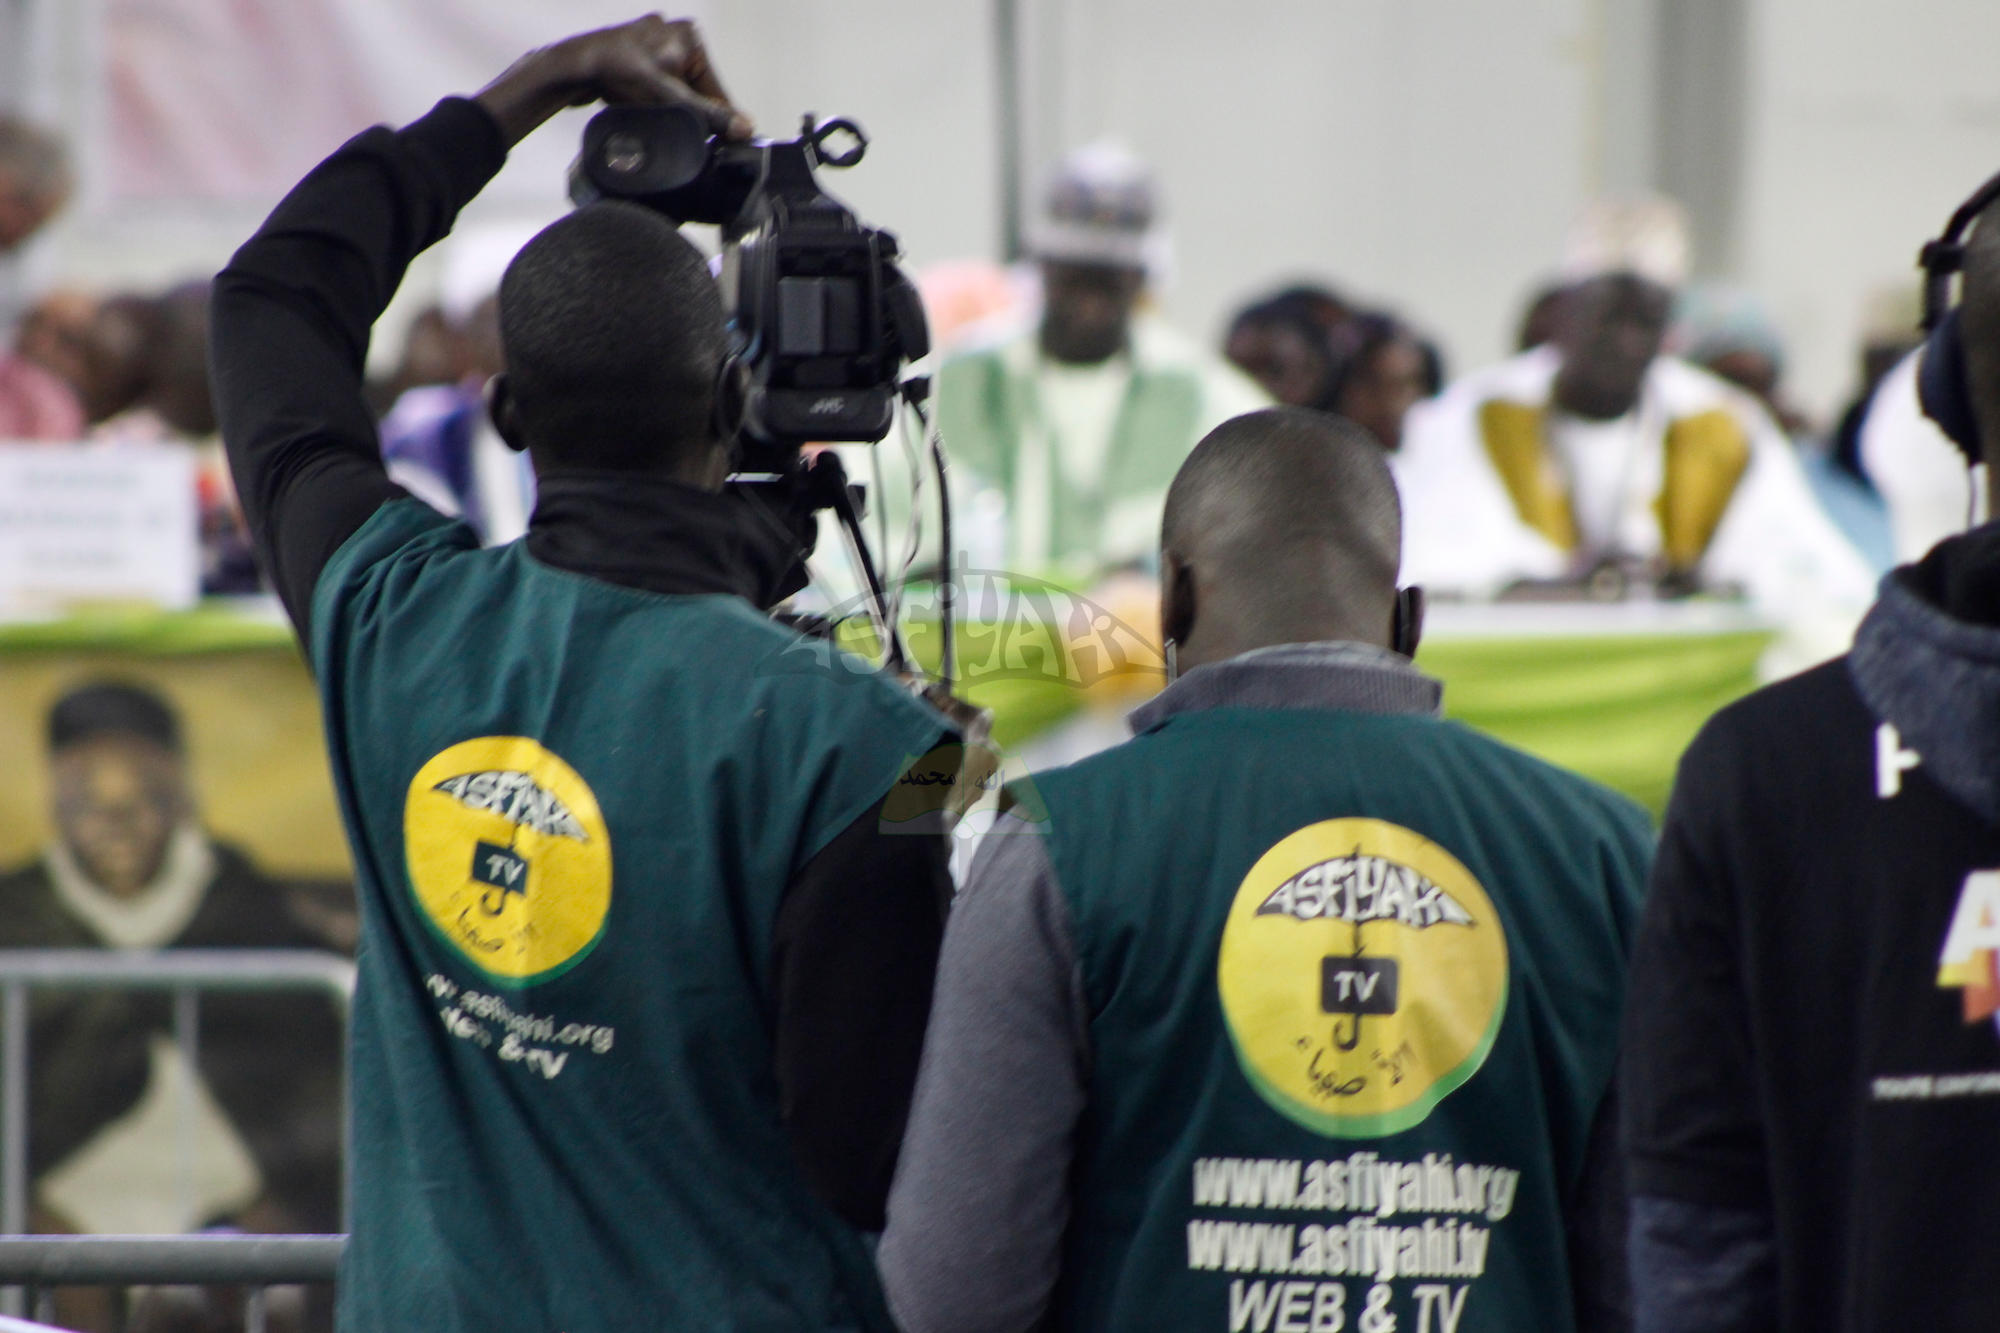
(1702, 1268)
(981, 1195)
(1597, 1223)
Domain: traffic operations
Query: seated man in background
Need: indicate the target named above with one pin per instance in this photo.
(145, 381)
(146, 368)
(1079, 422)
(127, 1132)
(1349, 972)
(1596, 458)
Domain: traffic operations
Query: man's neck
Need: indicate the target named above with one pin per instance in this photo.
(646, 531)
(1067, 358)
(1235, 635)
(1599, 410)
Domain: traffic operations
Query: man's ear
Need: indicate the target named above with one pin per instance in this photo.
(505, 413)
(1177, 597)
(732, 399)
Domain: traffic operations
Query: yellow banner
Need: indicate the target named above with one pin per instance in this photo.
(249, 723)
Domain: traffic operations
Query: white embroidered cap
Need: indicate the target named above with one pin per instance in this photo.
(1642, 234)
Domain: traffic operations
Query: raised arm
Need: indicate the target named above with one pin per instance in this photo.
(294, 307)
(290, 332)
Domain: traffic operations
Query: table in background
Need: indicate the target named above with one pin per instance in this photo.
(1613, 692)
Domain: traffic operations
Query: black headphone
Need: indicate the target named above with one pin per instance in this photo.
(1406, 622)
(1942, 389)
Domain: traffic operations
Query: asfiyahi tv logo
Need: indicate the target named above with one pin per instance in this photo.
(1011, 628)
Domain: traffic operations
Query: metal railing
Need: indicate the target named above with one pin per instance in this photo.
(41, 1263)
(9, 1324)
(50, 1261)
(85, 1261)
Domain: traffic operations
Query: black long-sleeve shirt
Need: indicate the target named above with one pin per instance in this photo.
(857, 934)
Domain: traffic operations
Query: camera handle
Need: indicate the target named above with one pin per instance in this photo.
(837, 495)
(823, 484)
(805, 489)
(821, 134)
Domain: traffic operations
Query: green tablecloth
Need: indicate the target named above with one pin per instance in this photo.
(1615, 693)
(1616, 696)
(215, 627)
(1619, 709)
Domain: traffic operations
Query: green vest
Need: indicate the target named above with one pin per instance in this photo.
(1354, 984)
(574, 808)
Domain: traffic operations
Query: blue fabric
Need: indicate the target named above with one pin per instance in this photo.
(1855, 508)
(431, 429)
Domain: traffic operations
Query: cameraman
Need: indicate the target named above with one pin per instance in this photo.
(642, 983)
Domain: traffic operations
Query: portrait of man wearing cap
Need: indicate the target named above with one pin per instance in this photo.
(128, 1133)
(1595, 451)
(1079, 421)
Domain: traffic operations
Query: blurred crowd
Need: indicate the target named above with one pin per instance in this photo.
(1641, 441)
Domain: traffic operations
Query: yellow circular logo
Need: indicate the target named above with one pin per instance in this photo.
(509, 856)
(1363, 976)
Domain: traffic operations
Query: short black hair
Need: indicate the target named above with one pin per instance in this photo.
(1318, 302)
(612, 329)
(1356, 343)
(1278, 312)
(1266, 486)
(113, 708)
(1287, 311)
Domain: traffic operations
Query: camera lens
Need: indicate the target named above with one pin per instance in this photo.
(624, 153)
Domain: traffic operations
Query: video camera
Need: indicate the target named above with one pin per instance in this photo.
(822, 319)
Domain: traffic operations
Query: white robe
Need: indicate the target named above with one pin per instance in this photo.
(1923, 478)
(1462, 533)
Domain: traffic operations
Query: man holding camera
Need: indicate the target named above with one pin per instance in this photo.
(642, 978)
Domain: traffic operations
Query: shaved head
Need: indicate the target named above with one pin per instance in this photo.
(612, 330)
(1283, 526)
